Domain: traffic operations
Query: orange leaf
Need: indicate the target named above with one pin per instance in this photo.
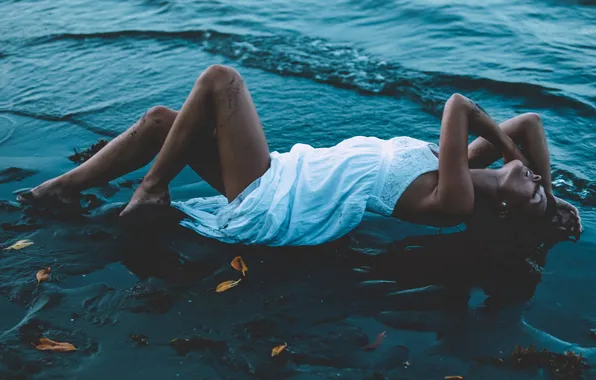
(377, 343)
(454, 378)
(278, 349)
(226, 285)
(43, 274)
(239, 265)
(49, 345)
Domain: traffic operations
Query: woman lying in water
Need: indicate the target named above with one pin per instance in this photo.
(311, 195)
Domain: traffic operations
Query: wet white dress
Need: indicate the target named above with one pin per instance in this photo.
(310, 196)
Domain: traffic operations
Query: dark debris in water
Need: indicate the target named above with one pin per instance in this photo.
(139, 339)
(15, 174)
(568, 366)
(184, 345)
(81, 156)
(149, 298)
(25, 224)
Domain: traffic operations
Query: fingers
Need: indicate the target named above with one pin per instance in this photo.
(577, 221)
(568, 222)
(573, 221)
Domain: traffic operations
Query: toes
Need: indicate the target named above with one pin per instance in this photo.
(26, 197)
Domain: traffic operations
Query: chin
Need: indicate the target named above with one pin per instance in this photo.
(540, 208)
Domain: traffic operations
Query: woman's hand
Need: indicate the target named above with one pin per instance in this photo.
(567, 218)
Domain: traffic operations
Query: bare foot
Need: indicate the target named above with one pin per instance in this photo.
(145, 205)
(51, 192)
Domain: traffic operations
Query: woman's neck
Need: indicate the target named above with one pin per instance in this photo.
(487, 181)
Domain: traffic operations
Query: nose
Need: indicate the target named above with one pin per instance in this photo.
(536, 178)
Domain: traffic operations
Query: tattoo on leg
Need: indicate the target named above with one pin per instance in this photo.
(477, 109)
(138, 124)
(233, 91)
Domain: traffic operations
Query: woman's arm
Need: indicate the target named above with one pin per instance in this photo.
(525, 130)
(482, 125)
(453, 196)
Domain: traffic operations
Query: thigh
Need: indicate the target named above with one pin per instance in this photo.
(242, 147)
(203, 156)
(204, 160)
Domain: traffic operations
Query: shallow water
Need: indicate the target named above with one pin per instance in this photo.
(74, 71)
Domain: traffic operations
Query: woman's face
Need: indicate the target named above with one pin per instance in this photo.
(522, 187)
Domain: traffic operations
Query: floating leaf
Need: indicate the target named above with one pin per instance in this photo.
(20, 245)
(454, 378)
(49, 345)
(278, 349)
(377, 342)
(239, 265)
(43, 274)
(226, 285)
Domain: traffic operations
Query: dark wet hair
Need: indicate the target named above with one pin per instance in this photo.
(501, 217)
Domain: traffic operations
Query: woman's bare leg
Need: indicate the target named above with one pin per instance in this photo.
(242, 148)
(129, 151)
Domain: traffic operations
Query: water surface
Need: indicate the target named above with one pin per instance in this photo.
(75, 71)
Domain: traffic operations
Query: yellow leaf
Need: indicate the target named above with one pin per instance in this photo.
(239, 265)
(43, 274)
(226, 285)
(278, 349)
(49, 345)
(20, 245)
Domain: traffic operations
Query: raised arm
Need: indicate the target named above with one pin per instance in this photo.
(454, 193)
(527, 131)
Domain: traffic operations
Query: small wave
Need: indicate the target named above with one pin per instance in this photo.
(574, 188)
(345, 67)
(135, 34)
(69, 118)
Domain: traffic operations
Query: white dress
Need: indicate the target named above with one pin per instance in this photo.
(310, 196)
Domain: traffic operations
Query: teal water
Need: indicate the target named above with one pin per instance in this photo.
(76, 71)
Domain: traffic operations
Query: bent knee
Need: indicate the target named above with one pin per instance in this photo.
(160, 114)
(218, 77)
(531, 119)
(457, 99)
(159, 118)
